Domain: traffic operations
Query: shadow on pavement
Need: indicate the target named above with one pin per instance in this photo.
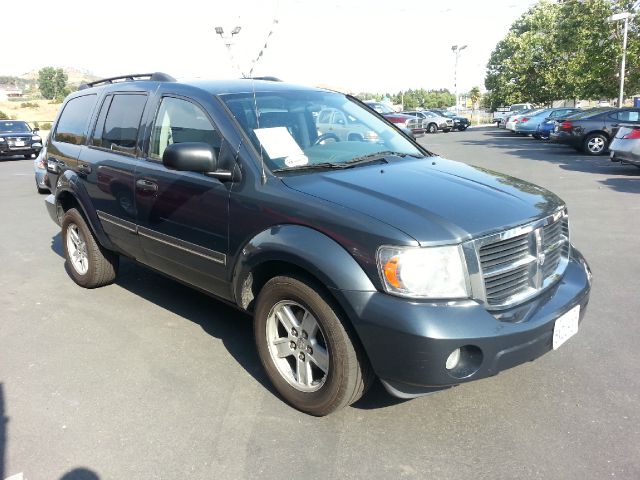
(80, 474)
(232, 327)
(624, 178)
(3, 433)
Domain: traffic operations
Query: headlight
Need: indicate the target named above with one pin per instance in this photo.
(36, 138)
(433, 272)
(2, 139)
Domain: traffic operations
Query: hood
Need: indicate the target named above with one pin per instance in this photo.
(398, 117)
(17, 134)
(435, 201)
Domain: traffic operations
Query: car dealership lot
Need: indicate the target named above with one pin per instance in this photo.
(149, 379)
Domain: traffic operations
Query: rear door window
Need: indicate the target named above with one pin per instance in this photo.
(74, 121)
(119, 122)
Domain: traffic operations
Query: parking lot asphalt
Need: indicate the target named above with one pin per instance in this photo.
(147, 379)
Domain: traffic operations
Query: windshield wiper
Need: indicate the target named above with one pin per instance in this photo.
(311, 166)
(375, 157)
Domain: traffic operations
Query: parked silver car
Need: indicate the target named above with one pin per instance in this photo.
(625, 147)
(432, 121)
(40, 170)
(335, 123)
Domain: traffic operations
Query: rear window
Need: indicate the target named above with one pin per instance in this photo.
(118, 123)
(73, 123)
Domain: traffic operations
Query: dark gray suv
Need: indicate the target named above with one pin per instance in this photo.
(357, 258)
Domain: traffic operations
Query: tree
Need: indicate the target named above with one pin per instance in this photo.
(52, 83)
(563, 50)
(475, 95)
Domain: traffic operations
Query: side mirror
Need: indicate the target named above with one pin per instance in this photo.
(190, 157)
(36, 130)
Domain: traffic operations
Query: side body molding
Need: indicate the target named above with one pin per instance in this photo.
(304, 247)
(70, 184)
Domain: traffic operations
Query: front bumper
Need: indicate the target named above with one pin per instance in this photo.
(6, 151)
(408, 342)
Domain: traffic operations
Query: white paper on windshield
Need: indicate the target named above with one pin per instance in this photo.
(633, 116)
(278, 143)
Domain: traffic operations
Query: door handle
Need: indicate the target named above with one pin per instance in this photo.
(146, 186)
(84, 168)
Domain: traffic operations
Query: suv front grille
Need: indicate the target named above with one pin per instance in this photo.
(518, 263)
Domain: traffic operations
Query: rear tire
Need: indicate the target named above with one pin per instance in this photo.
(306, 349)
(595, 144)
(87, 262)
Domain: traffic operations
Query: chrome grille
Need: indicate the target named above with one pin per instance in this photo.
(517, 264)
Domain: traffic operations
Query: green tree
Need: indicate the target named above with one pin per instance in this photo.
(52, 83)
(475, 95)
(562, 50)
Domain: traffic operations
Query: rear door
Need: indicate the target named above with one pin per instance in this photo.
(69, 136)
(109, 164)
(183, 216)
(630, 116)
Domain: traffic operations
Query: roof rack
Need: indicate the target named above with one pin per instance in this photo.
(267, 79)
(154, 77)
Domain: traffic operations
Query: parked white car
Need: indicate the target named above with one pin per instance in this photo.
(432, 121)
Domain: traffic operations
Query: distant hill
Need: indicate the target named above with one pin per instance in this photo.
(76, 76)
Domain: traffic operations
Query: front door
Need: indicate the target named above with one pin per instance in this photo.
(183, 216)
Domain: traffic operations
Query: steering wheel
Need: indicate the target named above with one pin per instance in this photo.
(326, 136)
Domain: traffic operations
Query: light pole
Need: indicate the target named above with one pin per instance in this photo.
(228, 42)
(626, 16)
(456, 50)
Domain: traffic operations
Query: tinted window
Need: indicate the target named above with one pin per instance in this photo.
(97, 133)
(72, 126)
(180, 121)
(119, 132)
(627, 116)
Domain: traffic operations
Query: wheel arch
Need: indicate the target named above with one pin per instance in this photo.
(295, 249)
(72, 194)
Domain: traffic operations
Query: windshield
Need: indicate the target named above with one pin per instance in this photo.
(589, 113)
(14, 127)
(300, 130)
(518, 106)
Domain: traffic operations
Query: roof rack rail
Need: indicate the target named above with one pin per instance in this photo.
(267, 78)
(154, 77)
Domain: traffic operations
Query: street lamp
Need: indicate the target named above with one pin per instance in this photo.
(626, 16)
(456, 50)
(228, 41)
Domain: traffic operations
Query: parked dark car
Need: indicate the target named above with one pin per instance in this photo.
(408, 123)
(17, 138)
(592, 130)
(459, 123)
(546, 127)
(625, 147)
(356, 259)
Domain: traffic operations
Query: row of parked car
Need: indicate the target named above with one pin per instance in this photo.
(595, 131)
(420, 122)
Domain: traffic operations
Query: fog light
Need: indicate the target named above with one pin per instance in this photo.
(453, 359)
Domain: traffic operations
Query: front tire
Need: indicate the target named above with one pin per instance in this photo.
(306, 349)
(432, 128)
(87, 262)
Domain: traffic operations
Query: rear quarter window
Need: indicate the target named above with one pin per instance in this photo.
(74, 121)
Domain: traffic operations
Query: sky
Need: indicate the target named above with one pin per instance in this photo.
(353, 45)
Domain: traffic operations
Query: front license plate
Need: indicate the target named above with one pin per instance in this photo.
(566, 327)
(19, 144)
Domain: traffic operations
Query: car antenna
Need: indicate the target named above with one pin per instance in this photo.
(253, 88)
